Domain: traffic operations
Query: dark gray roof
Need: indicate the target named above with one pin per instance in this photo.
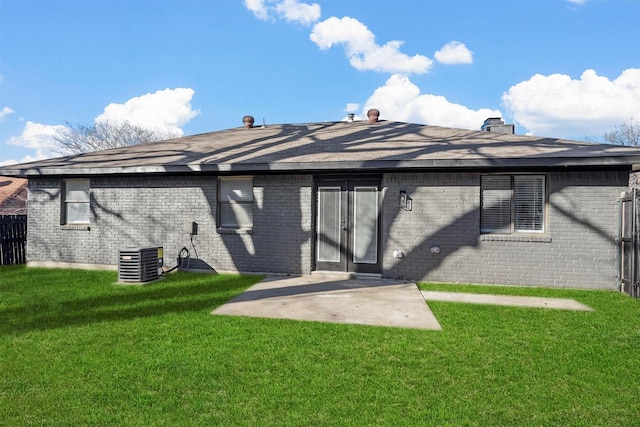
(338, 146)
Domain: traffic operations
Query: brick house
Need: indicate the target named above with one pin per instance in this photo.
(384, 198)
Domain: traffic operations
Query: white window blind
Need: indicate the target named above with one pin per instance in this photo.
(76, 201)
(512, 204)
(496, 204)
(235, 197)
(365, 227)
(329, 224)
(528, 204)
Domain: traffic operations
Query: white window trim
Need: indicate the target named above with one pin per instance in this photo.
(235, 198)
(84, 200)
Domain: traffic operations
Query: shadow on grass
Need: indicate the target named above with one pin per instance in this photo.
(122, 303)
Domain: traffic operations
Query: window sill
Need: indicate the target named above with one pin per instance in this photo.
(78, 227)
(234, 230)
(514, 238)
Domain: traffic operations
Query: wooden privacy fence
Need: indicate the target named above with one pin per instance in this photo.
(13, 239)
(629, 249)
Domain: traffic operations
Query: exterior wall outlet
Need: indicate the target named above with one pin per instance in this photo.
(398, 254)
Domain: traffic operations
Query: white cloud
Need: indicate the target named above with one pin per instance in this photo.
(258, 8)
(454, 53)
(289, 10)
(400, 100)
(40, 155)
(359, 42)
(352, 107)
(8, 162)
(303, 13)
(37, 136)
(558, 105)
(5, 112)
(164, 110)
(362, 50)
(579, 2)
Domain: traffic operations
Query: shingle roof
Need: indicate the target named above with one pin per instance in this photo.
(336, 146)
(13, 196)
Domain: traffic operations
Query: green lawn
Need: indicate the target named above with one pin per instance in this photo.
(77, 350)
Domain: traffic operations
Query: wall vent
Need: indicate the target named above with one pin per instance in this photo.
(139, 265)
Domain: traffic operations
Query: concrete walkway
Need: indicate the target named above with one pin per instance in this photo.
(365, 301)
(513, 301)
(335, 298)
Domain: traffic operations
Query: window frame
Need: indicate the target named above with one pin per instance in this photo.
(238, 202)
(67, 200)
(539, 210)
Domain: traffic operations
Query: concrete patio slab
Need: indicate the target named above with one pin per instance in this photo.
(336, 299)
(514, 301)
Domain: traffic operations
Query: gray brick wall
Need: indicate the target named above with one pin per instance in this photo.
(152, 211)
(281, 239)
(578, 251)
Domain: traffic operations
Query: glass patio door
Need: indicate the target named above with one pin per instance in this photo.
(348, 225)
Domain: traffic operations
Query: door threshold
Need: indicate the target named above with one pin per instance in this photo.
(346, 275)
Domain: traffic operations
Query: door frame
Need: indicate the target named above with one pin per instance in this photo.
(347, 185)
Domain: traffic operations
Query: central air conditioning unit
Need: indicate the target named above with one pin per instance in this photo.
(139, 265)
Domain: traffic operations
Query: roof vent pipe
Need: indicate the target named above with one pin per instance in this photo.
(373, 115)
(248, 121)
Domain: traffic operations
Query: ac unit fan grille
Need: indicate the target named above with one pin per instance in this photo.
(138, 265)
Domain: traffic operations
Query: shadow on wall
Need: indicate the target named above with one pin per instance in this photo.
(463, 231)
(279, 239)
(418, 261)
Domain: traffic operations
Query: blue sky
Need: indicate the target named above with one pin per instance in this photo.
(557, 68)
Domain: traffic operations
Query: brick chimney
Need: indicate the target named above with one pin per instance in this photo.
(496, 125)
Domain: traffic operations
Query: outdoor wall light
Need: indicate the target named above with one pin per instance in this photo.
(405, 201)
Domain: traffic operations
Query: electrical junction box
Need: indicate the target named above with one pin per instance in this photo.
(191, 227)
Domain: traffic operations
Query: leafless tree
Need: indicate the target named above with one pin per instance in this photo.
(104, 135)
(627, 133)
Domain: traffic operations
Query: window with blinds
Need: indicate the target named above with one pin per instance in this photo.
(76, 202)
(512, 204)
(235, 202)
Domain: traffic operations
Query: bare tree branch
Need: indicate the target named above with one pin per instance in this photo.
(105, 135)
(627, 133)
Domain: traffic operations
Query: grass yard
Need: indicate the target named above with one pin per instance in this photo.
(77, 350)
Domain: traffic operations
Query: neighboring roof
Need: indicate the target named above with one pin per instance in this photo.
(13, 196)
(335, 146)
